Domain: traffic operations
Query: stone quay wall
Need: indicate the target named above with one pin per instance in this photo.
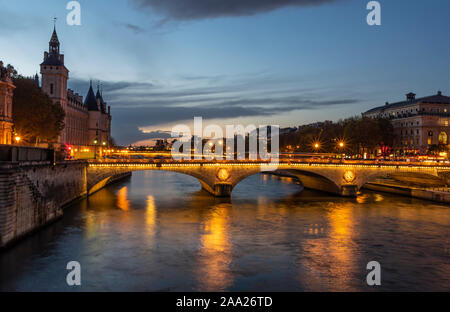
(33, 194)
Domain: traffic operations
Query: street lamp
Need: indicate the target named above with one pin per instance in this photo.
(95, 149)
(18, 139)
(341, 146)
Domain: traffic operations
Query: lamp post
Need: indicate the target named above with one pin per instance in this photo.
(95, 148)
(341, 147)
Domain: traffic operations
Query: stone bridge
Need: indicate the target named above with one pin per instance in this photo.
(219, 179)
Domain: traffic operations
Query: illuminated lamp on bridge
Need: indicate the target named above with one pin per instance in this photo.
(223, 174)
(349, 176)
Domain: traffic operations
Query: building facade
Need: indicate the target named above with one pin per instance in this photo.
(6, 98)
(419, 123)
(87, 123)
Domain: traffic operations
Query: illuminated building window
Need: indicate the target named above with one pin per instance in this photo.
(443, 138)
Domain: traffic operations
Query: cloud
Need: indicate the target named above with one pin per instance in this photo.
(201, 9)
(134, 28)
(145, 105)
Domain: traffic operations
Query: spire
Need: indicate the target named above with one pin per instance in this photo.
(54, 41)
(99, 97)
(91, 101)
(36, 79)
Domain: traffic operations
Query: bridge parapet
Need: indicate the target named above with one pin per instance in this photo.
(220, 178)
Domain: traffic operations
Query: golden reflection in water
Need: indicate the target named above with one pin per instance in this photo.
(361, 199)
(122, 199)
(379, 197)
(150, 216)
(365, 198)
(332, 253)
(215, 253)
(92, 225)
(341, 240)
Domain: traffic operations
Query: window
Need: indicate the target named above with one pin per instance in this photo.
(446, 123)
(429, 141)
(51, 88)
(443, 138)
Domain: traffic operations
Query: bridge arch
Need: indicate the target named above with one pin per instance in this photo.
(98, 177)
(314, 181)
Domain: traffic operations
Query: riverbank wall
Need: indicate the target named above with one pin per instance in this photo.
(33, 194)
(427, 194)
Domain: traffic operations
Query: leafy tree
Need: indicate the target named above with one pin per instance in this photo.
(359, 135)
(36, 118)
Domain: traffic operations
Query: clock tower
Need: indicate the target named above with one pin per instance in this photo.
(55, 76)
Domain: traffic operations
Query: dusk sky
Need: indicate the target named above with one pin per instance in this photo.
(286, 62)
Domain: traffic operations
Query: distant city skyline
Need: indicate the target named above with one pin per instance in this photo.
(260, 63)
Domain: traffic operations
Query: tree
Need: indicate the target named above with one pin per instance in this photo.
(36, 118)
(359, 135)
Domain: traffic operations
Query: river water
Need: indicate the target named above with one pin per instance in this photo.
(157, 231)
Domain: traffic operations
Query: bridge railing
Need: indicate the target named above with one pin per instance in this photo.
(281, 162)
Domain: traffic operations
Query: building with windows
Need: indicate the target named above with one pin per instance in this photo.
(6, 96)
(87, 123)
(419, 123)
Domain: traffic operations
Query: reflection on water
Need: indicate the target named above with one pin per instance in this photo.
(215, 251)
(122, 199)
(158, 232)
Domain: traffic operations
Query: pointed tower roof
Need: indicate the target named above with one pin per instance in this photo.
(99, 97)
(53, 57)
(91, 101)
(54, 39)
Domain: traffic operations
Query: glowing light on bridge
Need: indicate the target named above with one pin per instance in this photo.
(223, 174)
